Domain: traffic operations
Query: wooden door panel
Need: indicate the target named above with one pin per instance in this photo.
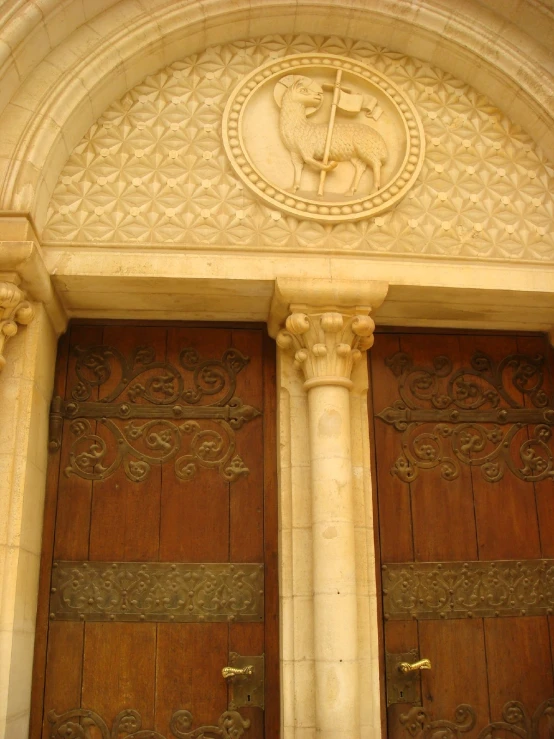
(119, 663)
(460, 480)
(164, 457)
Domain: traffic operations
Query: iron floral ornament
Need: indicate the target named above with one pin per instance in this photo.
(323, 137)
(153, 413)
(474, 416)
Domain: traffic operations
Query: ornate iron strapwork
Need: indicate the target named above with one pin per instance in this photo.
(78, 722)
(156, 592)
(516, 721)
(432, 590)
(474, 415)
(163, 409)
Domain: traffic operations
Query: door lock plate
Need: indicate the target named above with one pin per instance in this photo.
(402, 687)
(246, 689)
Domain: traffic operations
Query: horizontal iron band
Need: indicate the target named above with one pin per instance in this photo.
(522, 416)
(160, 592)
(442, 590)
(98, 409)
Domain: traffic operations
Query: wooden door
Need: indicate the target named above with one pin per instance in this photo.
(465, 499)
(159, 552)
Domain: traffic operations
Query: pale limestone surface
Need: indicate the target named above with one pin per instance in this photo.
(153, 169)
(25, 392)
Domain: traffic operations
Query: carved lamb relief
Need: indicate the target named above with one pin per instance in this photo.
(324, 146)
(323, 137)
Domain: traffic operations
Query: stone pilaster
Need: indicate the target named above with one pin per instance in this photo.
(328, 329)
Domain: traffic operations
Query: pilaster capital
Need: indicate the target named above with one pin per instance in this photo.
(326, 344)
(326, 324)
(14, 309)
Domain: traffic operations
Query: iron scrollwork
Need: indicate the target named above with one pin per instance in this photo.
(78, 722)
(162, 411)
(432, 590)
(516, 721)
(472, 416)
(157, 592)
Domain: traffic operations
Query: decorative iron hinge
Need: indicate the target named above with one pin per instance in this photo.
(152, 413)
(472, 416)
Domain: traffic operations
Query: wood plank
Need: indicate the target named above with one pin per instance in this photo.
(436, 502)
(62, 690)
(459, 669)
(248, 640)
(48, 530)
(543, 490)
(200, 505)
(505, 511)
(125, 514)
(75, 493)
(394, 495)
(188, 673)
(519, 662)
(119, 669)
(247, 492)
(271, 604)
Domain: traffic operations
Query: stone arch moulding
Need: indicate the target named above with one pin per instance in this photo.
(105, 53)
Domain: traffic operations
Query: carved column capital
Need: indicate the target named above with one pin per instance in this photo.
(14, 309)
(326, 343)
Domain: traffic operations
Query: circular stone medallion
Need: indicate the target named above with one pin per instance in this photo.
(323, 137)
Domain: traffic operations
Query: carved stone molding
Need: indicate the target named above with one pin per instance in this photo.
(326, 345)
(326, 324)
(14, 310)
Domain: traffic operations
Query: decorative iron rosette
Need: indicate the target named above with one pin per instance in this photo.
(319, 123)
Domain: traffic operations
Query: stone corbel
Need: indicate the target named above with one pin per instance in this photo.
(15, 310)
(24, 281)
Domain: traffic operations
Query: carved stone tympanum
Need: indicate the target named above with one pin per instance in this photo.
(303, 132)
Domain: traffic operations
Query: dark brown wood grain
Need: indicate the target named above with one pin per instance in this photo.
(158, 669)
(188, 672)
(271, 559)
(481, 662)
(64, 671)
(394, 495)
(443, 518)
(459, 669)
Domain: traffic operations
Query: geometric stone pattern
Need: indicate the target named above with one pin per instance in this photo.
(152, 169)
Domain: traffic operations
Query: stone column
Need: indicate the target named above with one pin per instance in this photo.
(27, 359)
(327, 340)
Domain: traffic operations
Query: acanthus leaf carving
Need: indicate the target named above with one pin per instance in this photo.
(326, 344)
(15, 310)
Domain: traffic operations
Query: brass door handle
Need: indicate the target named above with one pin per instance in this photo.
(422, 664)
(236, 671)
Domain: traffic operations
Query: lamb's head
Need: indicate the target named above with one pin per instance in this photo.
(298, 89)
(307, 92)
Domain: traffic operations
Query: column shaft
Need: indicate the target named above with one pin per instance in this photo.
(334, 577)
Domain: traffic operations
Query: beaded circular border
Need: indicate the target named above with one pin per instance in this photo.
(276, 197)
